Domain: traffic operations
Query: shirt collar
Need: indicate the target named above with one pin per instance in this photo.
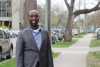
(37, 30)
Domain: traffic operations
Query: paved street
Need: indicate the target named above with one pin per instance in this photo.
(74, 56)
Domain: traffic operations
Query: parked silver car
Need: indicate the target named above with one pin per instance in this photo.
(6, 48)
(98, 34)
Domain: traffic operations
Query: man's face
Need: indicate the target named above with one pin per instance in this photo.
(34, 19)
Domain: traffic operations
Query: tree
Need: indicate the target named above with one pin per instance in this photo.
(42, 14)
(94, 19)
(58, 17)
(58, 20)
(72, 15)
(28, 5)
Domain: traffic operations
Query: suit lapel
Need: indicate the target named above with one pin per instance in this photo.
(42, 38)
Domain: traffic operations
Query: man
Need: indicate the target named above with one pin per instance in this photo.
(33, 47)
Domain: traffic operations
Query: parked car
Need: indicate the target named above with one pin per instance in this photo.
(13, 33)
(98, 33)
(97, 30)
(6, 48)
(53, 37)
(59, 33)
(75, 32)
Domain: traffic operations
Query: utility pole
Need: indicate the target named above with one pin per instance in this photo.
(85, 18)
(79, 18)
(48, 16)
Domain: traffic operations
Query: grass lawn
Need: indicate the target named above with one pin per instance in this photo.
(68, 44)
(12, 62)
(64, 44)
(55, 55)
(94, 55)
(9, 63)
(94, 59)
(95, 43)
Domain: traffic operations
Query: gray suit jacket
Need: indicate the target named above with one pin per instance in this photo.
(27, 53)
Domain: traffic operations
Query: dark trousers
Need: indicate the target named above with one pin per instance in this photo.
(37, 65)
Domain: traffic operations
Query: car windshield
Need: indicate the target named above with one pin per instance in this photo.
(1, 34)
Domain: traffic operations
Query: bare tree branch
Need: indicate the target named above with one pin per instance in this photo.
(72, 3)
(66, 2)
(98, 4)
(85, 11)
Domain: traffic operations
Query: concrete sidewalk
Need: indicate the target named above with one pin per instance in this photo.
(74, 56)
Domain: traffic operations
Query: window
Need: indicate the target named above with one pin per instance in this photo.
(5, 8)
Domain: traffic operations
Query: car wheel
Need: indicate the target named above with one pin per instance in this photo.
(0, 53)
(10, 54)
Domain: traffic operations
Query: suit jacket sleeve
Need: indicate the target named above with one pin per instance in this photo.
(50, 57)
(19, 51)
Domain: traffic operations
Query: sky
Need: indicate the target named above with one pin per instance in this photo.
(61, 4)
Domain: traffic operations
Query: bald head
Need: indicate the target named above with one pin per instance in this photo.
(33, 12)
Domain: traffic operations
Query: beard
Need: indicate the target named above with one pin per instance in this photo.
(34, 24)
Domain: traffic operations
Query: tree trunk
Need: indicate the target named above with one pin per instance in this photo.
(68, 29)
(72, 14)
(28, 5)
